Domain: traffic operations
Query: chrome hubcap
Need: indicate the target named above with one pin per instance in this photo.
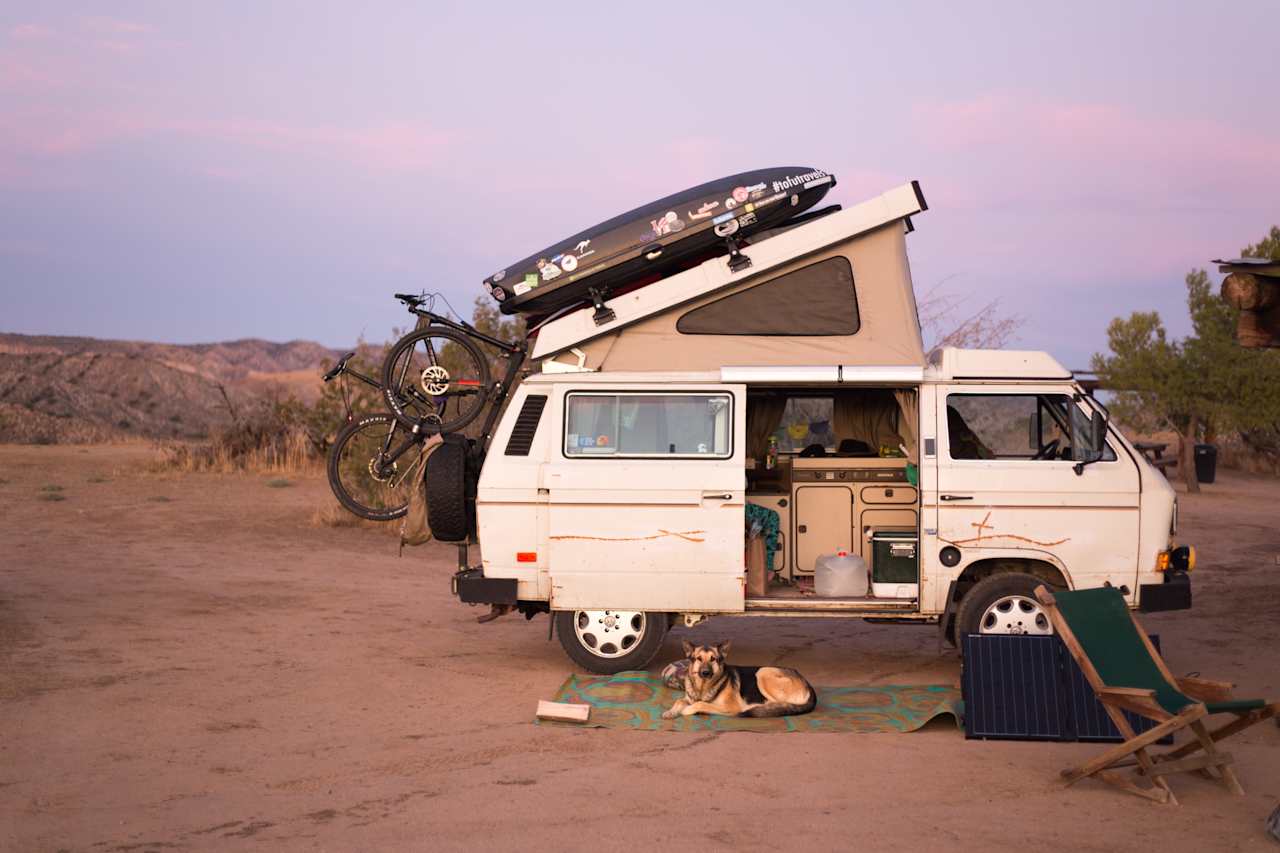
(608, 633)
(1015, 614)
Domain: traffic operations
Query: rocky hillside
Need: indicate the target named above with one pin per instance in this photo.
(64, 389)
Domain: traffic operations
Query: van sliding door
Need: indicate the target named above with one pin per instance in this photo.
(646, 494)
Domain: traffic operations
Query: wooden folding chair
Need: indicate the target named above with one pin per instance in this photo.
(1128, 674)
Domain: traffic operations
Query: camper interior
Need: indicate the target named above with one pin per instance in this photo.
(833, 464)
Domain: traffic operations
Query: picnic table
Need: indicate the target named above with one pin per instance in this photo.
(1154, 453)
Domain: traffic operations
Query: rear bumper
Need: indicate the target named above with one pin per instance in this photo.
(472, 587)
(1173, 594)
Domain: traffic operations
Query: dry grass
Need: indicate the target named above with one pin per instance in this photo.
(279, 483)
(333, 515)
(289, 451)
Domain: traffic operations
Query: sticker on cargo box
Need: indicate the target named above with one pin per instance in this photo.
(548, 269)
(724, 229)
(568, 263)
(704, 211)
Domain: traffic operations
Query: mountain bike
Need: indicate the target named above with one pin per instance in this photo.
(440, 382)
(374, 460)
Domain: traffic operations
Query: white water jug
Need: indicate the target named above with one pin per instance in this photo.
(840, 575)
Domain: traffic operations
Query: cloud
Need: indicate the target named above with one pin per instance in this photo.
(1069, 191)
(37, 144)
(1097, 152)
(114, 26)
(30, 32)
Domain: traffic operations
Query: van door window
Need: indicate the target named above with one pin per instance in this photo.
(648, 425)
(1031, 427)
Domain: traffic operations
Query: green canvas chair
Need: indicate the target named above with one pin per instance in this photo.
(1128, 674)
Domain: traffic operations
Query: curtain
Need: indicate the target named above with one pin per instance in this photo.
(764, 414)
(909, 423)
(868, 415)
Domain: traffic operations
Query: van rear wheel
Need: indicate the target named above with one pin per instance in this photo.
(611, 641)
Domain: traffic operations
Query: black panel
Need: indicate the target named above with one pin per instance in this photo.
(1013, 689)
(474, 588)
(1020, 687)
(1173, 594)
(526, 425)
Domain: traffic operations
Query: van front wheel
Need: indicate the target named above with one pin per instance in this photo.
(1003, 604)
(610, 641)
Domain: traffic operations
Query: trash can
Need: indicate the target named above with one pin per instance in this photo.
(1206, 462)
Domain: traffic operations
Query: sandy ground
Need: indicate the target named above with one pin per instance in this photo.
(186, 663)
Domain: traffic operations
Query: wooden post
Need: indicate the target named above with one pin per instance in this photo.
(1250, 292)
(1187, 457)
(1258, 298)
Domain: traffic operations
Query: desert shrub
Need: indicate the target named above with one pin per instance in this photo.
(270, 438)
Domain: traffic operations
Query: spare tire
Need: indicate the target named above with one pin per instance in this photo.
(447, 490)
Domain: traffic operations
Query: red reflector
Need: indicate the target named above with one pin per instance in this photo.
(526, 556)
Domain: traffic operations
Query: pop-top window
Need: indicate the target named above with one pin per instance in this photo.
(649, 425)
(815, 300)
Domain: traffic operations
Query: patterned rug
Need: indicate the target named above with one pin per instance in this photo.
(636, 700)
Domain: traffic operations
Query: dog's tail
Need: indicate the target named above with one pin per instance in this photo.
(783, 709)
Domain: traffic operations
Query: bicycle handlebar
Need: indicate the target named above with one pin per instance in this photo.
(339, 367)
(410, 299)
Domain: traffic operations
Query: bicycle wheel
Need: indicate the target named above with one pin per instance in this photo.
(436, 378)
(364, 477)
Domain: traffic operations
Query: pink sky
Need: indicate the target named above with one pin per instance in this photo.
(184, 173)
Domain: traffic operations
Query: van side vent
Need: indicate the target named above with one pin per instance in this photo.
(526, 425)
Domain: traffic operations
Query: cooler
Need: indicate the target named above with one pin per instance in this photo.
(895, 564)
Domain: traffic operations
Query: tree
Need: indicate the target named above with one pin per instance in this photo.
(1267, 247)
(986, 328)
(1202, 386)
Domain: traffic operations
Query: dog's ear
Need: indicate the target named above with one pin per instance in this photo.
(723, 648)
(688, 649)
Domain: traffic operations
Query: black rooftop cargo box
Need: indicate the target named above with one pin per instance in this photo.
(655, 238)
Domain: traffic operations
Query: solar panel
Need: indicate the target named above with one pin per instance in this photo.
(1027, 687)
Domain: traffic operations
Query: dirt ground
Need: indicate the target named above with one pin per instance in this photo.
(187, 663)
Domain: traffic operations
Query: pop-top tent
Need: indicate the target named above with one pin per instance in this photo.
(832, 292)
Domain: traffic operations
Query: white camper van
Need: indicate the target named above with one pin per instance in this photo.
(615, 489)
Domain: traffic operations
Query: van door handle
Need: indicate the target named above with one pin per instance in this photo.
(718, 496)
(956, 497)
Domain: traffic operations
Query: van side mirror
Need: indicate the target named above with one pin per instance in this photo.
(1098, 433)
(1033, 430)
(1089, 447)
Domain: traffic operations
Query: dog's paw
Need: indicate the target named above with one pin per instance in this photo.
(670, 714)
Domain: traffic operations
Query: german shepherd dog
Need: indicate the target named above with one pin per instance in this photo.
(712, 687)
